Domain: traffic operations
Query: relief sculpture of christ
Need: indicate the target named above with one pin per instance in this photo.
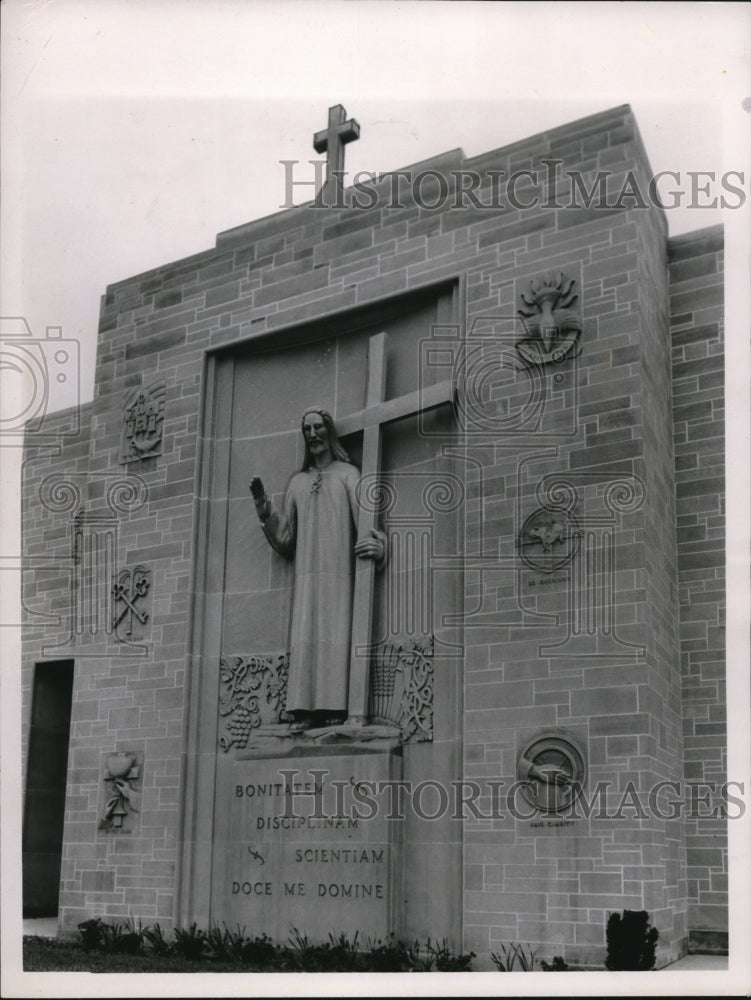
(317, 528)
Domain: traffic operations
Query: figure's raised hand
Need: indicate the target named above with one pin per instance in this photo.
(260, 499)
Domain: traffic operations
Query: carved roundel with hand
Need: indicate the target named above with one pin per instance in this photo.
(553, 771)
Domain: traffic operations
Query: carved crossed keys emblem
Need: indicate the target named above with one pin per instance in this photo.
(130, 586)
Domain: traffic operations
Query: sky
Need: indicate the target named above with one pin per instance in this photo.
(133, 131)
(136, 130)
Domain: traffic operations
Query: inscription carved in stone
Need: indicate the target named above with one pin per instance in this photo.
(552, 325)
(143, 421)
(253, 690)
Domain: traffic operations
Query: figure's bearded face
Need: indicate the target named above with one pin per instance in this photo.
(316, 434)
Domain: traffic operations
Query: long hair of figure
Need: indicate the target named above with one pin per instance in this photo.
(338, 451)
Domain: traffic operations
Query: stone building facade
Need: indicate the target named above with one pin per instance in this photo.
(575, 575)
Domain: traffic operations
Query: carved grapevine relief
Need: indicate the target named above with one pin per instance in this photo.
(253, 691)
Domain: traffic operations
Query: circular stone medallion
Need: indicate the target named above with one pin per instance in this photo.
(548, 540)
(553, 771)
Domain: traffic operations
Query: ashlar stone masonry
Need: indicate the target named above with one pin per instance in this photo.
(550, 612)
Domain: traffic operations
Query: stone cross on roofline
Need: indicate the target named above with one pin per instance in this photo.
(378, 411)
(332, 141)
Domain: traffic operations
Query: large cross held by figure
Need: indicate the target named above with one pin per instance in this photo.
(378, 411)
(331, 141)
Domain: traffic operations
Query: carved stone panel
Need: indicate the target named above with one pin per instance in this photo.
(122, 776)
(129, 600)
(553, 771)
(551, 322)
(401, 689)
(292, 861)
(548, 540)
(253, 691)
(143, 421)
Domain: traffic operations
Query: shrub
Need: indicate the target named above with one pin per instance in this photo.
(416, 961)
(120, 939)
(219, 943)
(190, 942)
(446, 961)
(125, 939)
(302, 955)
(157, 942)
(631, 942)
(92, 933)
(260, 951)
(344, 955)
(223, 947)
(385, 956)
(558, 965)
(514, 957)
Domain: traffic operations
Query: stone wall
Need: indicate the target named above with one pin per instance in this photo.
(609, 428)
(605, 420)
(696, 320)
(54, 489)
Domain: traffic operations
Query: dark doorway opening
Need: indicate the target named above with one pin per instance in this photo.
(44, 807)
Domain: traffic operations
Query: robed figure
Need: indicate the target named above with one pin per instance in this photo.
(317, 527)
